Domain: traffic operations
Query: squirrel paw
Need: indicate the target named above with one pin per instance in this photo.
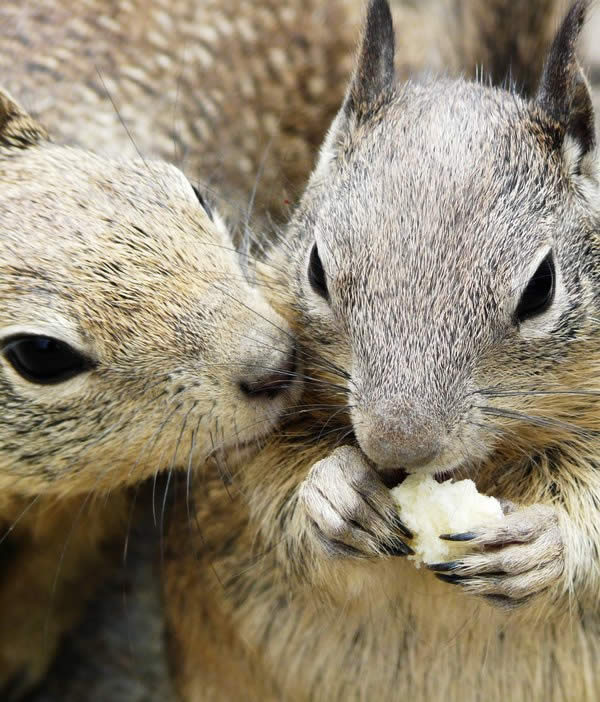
(350, 509)
(518, 559)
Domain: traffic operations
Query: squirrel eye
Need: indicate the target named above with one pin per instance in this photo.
(202, 202)
(44, 360)
(539, 293)
(316, 274)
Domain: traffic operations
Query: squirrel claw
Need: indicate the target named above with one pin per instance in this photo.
(399, 549)
(516, 560)
(350, 510)
(443, 567)
(452, 579)
(464, 536)
(402, 528)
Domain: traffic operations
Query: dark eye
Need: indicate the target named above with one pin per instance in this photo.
(202, 201)
(43, 360)
(316, 274)
(539, 293)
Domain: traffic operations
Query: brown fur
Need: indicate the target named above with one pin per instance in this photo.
(51, 550)
(238, 96)
(125, 265)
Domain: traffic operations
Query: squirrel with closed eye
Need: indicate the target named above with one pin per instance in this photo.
(444, 267)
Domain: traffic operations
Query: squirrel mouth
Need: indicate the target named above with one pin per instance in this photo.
(391, 477)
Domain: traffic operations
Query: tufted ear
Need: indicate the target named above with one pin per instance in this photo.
(17, 129)
(563, 91)
(374, 72)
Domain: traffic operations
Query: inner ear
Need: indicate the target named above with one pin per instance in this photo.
(564, 93)
(581, 124)
(374, 72)
(18, 130)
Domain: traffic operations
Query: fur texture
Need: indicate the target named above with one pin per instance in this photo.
(237, 95)
(124, 265)
(237, 123)
(432, 207)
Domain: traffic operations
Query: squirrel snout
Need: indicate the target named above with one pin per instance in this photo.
(390, 445)
(267, 381)
(400, 453)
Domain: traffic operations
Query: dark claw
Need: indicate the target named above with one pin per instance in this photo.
(465, 536)
(402, 528)
(399, 548)
(333, 548)
(444, 567)
(452, 579)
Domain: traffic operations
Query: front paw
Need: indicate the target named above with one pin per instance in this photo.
(516, 560)
(350, 510)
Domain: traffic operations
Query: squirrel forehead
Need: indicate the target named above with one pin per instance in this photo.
(449, 176)
(63, 208)
(99, 240)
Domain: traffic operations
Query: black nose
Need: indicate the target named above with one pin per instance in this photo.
(270, 382)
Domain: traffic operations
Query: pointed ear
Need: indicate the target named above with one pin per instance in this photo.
(374, 71)
(17, 129)
(563, 91)
(373, 77)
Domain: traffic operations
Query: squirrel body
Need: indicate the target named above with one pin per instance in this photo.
(239, 95)
(451, 312)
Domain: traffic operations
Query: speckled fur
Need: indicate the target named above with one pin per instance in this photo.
(120, 260)
(237, 94)
(180, 99)
(425, 267)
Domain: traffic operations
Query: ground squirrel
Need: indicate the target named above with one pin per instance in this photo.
(445, 260)
(130, 340)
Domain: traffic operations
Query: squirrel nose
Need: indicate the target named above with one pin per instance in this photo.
(269, 382)
(400, 451)
(397, 444)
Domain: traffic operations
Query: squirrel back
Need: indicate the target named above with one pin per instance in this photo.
(238, 95)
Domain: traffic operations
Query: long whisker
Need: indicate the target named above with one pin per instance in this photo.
(537, 393)
(19, 517)
(545, 422)
(120, 117)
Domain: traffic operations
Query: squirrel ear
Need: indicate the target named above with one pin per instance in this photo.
(374, 68)
(563, 91)
(17, 129)
(373, 76)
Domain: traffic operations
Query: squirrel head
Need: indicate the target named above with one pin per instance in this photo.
(448, 257)
(130, 340)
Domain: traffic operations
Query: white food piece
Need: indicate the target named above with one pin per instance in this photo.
(429, 508)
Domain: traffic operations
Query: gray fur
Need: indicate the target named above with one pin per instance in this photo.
(432, 207)
(425, 274)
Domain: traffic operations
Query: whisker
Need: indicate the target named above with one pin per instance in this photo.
(535, 393)
(120, 117)
(545, 422)
(16, 521)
